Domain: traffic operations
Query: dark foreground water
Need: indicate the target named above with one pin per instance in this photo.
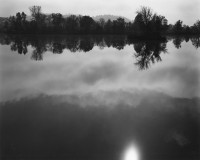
(99, 98)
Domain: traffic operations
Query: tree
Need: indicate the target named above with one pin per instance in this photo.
(178, 27)
(119, 26)
(143, 21)
(147, 24)
(100, 25)
(36, 12)
(196, 27)
(146, 14)
(86, 24)
(38, 24)
(57, 21)
(18, 22)
(108, 27)
(102, 22)
(72, 24)
(23, 15)
(11, 24)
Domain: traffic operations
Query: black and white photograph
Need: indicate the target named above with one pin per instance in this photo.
(99, 79)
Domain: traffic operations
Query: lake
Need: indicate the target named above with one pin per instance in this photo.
(92, 97)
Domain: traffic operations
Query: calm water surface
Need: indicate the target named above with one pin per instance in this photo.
(90, 97)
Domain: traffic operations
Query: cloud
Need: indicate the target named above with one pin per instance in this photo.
(184, 81)
(188, 10)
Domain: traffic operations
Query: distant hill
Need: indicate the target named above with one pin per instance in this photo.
(111, 17)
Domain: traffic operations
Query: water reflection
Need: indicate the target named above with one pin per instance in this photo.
(177, 42)
(50, 127)
(19, 45)
(131, 153)
(91, 106)
(196, 41)
(146, 52)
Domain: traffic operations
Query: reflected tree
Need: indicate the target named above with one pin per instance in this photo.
(86, 45)
(39, 49)
(72, 44)
(186, 38)
(148, 53)
(37, 55)
(118, 43)
(196, 41)
(58, 48)
(177, 41)
(19, 46)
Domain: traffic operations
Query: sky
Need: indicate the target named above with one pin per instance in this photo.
(186, 10)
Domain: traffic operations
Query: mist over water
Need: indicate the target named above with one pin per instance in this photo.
(99, 97)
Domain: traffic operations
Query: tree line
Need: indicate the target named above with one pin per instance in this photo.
(146, 22)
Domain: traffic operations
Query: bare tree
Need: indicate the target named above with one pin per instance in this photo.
(35, 12)
(146, 14)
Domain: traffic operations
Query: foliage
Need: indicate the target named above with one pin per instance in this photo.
(146, 23)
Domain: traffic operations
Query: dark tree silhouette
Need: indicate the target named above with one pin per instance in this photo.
(196, 27)
(146, 25)
(178, 27)
(87, 24)
(177, 41)
(19, 46)
(72, 24)
(39, 49)
(36, 12)
(148, 52)
(58, 48)
(196, 41)
(57, 21)
(86, 45)
(146, 15)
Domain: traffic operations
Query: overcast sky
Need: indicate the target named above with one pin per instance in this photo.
(173, 10)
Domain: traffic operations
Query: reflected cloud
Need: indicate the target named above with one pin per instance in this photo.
(90, 106)
(185, 82)
(101, 71)
(110, 69)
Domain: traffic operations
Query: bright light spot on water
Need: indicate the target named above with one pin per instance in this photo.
(131, 153)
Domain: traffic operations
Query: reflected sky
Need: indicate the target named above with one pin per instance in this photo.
(107, 75)
(53, 127)
(82, 99)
